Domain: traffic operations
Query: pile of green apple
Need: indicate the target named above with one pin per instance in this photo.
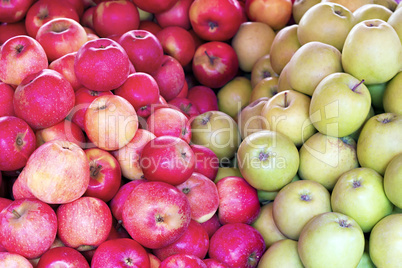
(320, 120)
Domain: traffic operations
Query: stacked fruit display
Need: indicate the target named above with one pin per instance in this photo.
(201, 133)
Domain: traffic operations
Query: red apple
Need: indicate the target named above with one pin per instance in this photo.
(84, 223)
(78, 6)
(8, 259)
(86, 19)
(155, 6)
(183, 260)
(68, 257)
(21, 56)
(8, 30)
(61, 36)
(14, 11)
(211, 225)
(123, 252)
(141, 90)
(156, 214)
(45, 10)
(4, 202)
(274, 13)
(149, 26)
(212, 263)
(154, 261)
(28, 227)
(110, 122)
(43, 99)
(214, 64)
(168, 159)
(102, 65)
(65, 130)
(241, 238)
(20, 189)
(57, 172)
(203, 196)
(17, 143)
(204, 98)
(115, 17)
(184, 90)
(215, 20)
(65, 66)
(177, 15)
(206, 161)
(105, 174)
(185, 106)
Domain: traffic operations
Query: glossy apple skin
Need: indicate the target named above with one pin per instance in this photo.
(214, 64)
(65, 66)
(185, 106)
(212, 225)
(237, 237)
(4, 202)
(20, 189)
(43, 99)
(177, 15)
(206, 161)
(17, 143)
(65, 130)
(115, 17)
(86, 19)
(149, 26)
(105, 174)
(183, 260)
(212, 263)
(8, 30)
(28, 216)
(156, 214)
(68, 257)
(84, 223)
(155, 6)
(215, 20)
(14, 11)
(21, 56)
(8, 259)
(97, 56)
(204, 98)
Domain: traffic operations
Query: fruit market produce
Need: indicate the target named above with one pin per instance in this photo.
(201, 133)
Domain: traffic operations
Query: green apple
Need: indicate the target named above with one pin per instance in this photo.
(395, 20)
(329, 23)
(379, 49)
(262, 69)
(265, 224)
(379, 141)
(283, 47)
(297, 203)
(386, 242)
(331, 240)
(355, 135)
(226, 172)
(351, 5)
(268, 160)
(267, 87)
(359, 193)
(283, 82)
(390, 4)
(392, 98)
(266, 197)
(250, 119)
(234, 96)
(393, 181)
(377, 93)
(339, 105)
(324, 158)
(288, 113)
(300, 7)
(372, 11)
(218, 131)
(310, 64)
(281, 254)
(365, 261)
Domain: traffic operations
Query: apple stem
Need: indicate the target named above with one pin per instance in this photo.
(95, 169)
(344, 223)
(16, 214)
(357, 85)
(286, 99)
(211, 58)
(356, 184)
(19, 48)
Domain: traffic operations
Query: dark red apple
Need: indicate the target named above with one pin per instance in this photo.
(65, 66)
(66, 256)
(185, 106)
(14, 11)
(149, 26)
(155, 6)
(8, 30)
(212, 263)
(212, 225)
(206, 161)
(204, 98)
(86, 19)
(177, 15)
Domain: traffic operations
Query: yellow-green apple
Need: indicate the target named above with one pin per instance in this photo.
(21, 56)
(265, 88)
(365, 261)
(238, 201)
(283, 82)
(297, 203)
(215, 20)
(67, 256)
(156, 214)
(262, 69)
(393, 181)
(45, 10)
(328, 23)
(268, 196)
(65, 66)
(385, 242)
(185, 260)
(115, 17)
(84, 223)
(202, 194)
(351, 5)
(129, 155)
(206, 161)
(177, 15)
(372, 65)
(359, 193)
(17, 143)
(154, 6)
(275, 13)
(390, 4)
(332, 98)
(96, 56)
(344, 241)
(234, 96)
(61, 36)
(250, 120)
(282, 253)
(226, 172)
(300, 7)
(217, 131)
(396, 22)
(377, 95)
(372, 11)
(8, 259)
(284, 45)
(310, 64)
(167, 158)
(185, 106)
(214, 64)
(65, 176)
(204, 98)
(379, 141)
(15, 11)
(110, 122)
(6, 100)
(8, 30)
(28, 216)
(194, 241)
(237, 237)
(324, 158)
(266, 225)
(371, 113)
(252, 41)
(268, 160)
(392, 101)
(288, 113)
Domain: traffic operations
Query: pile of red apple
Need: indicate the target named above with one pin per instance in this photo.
(200, 133)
